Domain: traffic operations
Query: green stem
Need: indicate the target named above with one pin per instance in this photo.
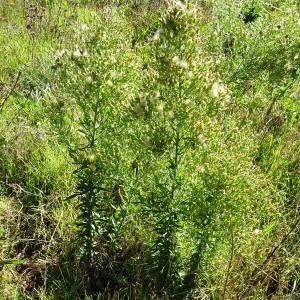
(92, 144)
(175, 164)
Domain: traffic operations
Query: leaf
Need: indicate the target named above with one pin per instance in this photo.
(74, 196)
(5, 262)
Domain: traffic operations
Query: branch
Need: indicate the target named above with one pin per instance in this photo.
(10, 91)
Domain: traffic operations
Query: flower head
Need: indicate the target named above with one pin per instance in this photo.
(175, 59)
(77, 53)
(89, 79)
(183, 64)
(215, 90)
(84, 27)
(256, 231)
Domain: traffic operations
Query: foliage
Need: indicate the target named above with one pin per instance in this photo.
(149, 149)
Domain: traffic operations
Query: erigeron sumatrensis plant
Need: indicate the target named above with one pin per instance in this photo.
(168, 113)
(185, 189)
(99, 75)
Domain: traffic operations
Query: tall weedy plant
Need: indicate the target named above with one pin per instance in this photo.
(189, 192)
(100, 72)
(168, 111)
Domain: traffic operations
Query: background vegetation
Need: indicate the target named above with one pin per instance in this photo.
(149, 149)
